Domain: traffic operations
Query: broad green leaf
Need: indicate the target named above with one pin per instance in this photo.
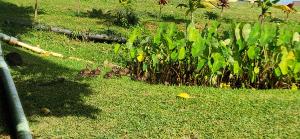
(145, 67)
(171, 30)
(285, 36)
(237, 32)
(209, 63)
(181, 54)
(157, 37)
(201, 63)
(296, 37)
(132, 37)
(219, 62)
(268, 34)
(227, 52)
(213, 27)
(155, 60)
(212, 30)
(254, 34)
(253, 52)
(198, 47)
(277, 72)
(225, 42)
(291, 56)
(297, 68)
(297, 51)
(236, 68)
(180, 43)
(132, 53)
(283, 65)
(193, 33)
(174, 55)
(134, 34)
(169, 42)
(256, 70)
(240, 44)
(129, 45)
(246, 31)
(214, 42)
(117, 48)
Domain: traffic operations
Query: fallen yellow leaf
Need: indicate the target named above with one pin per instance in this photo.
(184, 95)
(141, 57)
(224, 85)
(294, 87)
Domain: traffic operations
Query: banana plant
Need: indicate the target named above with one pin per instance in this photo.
(288, 9)
(193, 5)
(265, 6)
(223, 4)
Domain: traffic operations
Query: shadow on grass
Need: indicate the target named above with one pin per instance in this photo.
(152, 15)
(171, 18)
(211, 15)
(106, 17)
(36, 79)
(44, 84)
(226, 20)
(277, 20)
(11, 12)
(167, 18)
(97, 13)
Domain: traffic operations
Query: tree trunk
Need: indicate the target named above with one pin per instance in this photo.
(221, 15)
(160, 8)
(261, 18)
(36, 9)
(78, 7)
(192, 17)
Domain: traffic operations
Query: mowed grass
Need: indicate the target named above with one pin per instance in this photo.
(122, 108)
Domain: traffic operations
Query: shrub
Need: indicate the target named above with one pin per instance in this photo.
(126, 16)
(245, 55)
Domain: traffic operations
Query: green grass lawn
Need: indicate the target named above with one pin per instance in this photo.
(122, 108)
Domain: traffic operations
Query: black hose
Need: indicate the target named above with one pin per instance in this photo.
(109, 38)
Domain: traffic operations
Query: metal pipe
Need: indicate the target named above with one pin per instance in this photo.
(15, 107)
(14, 41)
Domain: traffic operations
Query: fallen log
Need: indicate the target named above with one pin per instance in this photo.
(108, 38)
